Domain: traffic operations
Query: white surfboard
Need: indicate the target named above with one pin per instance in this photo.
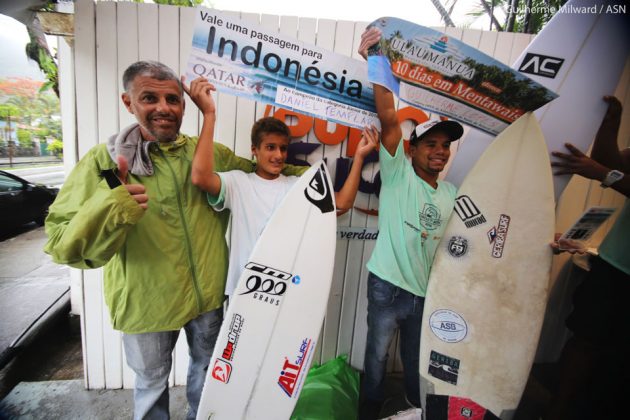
(580, 56)
(488, 288)
(270, 330)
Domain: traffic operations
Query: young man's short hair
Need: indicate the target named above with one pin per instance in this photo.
(268, 125)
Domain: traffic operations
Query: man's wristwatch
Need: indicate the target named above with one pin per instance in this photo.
(611, 177)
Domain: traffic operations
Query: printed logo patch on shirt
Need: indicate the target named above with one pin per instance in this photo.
(430, 217)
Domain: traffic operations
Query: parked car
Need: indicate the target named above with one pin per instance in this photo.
(22, 201)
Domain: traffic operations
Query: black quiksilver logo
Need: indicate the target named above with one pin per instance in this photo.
(541, 65)
(318, 192)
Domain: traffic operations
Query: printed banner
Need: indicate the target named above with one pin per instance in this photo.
(427, 69)
(357, 233)
(244, 59)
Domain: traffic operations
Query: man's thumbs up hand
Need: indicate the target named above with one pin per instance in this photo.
(137, 191)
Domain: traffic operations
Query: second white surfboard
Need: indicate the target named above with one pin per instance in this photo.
(270, 331)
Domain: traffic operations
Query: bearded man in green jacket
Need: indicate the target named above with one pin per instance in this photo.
(129, 205)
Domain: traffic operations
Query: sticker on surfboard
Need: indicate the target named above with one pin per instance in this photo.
(541, 65)
(497, 235)
(266, 284)
(443, 367)
(588, 223)
(457, 246)
(456, 408)
(468, 212)
(318, 192)
(448, 325)
(222, 369)
(293, 372)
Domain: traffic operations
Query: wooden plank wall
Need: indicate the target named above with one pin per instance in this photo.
(109, 36)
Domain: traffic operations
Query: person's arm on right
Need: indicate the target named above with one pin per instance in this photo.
(578, 163)
(605, 148)
(605, 155)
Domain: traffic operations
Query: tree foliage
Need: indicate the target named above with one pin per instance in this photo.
(22, 101)
(25, 138)
(526, 16)
(56, 148)
(19, 86)
(9, 111)
(49, 67)
(37, 50)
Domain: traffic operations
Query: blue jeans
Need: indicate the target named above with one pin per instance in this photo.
(149, 355)
(390, 307)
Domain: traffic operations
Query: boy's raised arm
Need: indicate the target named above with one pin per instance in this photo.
(203, 175)
(344, 199)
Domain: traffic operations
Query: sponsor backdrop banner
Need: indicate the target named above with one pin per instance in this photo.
(244, 59)
(428, 69)
(357, 233)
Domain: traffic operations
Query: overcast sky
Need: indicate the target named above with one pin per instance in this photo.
(13, 61)
(421, 12)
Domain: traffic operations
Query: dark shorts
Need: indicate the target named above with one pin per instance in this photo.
(601, 305)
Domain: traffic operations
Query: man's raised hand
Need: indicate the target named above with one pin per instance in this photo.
(137, 191)
(368, 142)
(369, 37)
(200, 91)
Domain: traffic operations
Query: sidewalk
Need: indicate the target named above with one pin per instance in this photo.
(69, 400)
(30, 285)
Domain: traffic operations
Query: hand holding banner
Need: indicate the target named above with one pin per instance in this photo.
(429, 70)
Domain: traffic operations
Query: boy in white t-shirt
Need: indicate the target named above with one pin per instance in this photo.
(253, 197)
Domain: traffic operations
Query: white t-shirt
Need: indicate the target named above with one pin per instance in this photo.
(252, 200)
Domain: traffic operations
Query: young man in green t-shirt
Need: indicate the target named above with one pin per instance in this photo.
(414, 207)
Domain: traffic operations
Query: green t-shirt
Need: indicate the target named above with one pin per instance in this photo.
(412, 216)
(615, 247)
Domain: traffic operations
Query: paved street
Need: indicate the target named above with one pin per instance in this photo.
(48, 175)
(29, 283)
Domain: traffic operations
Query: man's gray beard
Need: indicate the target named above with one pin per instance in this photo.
(166, 140)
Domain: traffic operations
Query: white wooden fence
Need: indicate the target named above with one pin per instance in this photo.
(109, 36)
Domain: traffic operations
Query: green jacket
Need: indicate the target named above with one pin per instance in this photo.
(163, 266)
